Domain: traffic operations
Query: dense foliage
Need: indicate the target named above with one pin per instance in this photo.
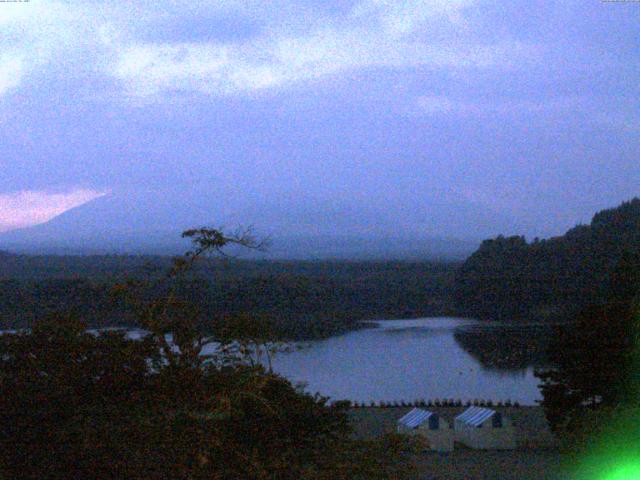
(80, 404)
(588, 283)
(513, 280)
(596, 359)
(305, 299)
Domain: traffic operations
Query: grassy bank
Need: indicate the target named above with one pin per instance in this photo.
(532, 430)
(536, 457)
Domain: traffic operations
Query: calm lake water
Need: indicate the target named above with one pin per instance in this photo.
(404, 360)
(427, 358)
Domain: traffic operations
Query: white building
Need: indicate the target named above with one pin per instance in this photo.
(432, 427)
(484, 429)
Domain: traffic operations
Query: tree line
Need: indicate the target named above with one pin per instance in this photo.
(588, 282)
(513, 280)
(304, 300)
(82, 404)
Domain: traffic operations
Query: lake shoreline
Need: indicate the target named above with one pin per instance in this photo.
(407, 360)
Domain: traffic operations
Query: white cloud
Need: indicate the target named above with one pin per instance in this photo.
(405, 17)
(25, 208)
(11, 71)
(376, 34)
(293, 43)
(53, 38)
(32, 34)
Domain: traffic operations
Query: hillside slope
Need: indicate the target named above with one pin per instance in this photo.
(301, 227)
(510, 279)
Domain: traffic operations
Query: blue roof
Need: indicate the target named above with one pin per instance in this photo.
(475, 416)
(415, 417)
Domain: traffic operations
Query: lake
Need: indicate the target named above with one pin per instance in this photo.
(408, 360)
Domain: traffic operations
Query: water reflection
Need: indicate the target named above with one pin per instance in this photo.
(501, 348)
(416, 359)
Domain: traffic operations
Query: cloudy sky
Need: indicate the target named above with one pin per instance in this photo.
(527, 108)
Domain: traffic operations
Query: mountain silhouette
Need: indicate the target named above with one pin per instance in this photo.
(298, 226)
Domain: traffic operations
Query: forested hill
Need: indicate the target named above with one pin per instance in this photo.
(509, 279)
(304, 299)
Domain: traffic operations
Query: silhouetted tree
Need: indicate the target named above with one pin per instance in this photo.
(595, 360)
(82, 404)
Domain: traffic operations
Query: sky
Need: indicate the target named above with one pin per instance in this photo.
(527, 109)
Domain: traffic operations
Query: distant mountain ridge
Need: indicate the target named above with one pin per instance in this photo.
(509, 279)
(299, 227)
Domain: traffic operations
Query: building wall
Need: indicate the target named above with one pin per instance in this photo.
(486, 437)
(440, 440)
